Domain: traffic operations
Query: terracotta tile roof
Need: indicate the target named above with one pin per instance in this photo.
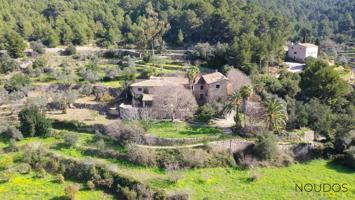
(174, 79)
(214, 77)
(153, 83)
(309, 45)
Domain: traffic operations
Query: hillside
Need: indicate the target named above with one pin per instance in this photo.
(317, 19)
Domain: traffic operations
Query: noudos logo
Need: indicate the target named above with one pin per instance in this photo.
(322, 187)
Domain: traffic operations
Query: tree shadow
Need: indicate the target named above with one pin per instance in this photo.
(59, 198)
(60, 146)
(339, 168)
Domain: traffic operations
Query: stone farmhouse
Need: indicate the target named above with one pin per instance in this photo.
(206, 88)
(211, 87)
(300, 51)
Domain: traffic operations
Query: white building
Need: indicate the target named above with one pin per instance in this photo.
(300, 51)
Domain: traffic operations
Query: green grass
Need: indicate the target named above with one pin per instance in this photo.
(115, 84)
(27, 187)
(275, 183)
(182, 130)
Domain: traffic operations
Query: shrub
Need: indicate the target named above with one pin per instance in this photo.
(24, 168)
(60, 178)
(35, 154)
(349, 157)
(100, 144)
(12, 146)
(194, 157)
(33, 121)
(71, 139)
(266, 146)
(90, 185)
(174, 175)
(70, 50)
(13, 133)
(4, 178)
(125, 133)
(7, 64)
(89, 75)
(18, 82)
(142, 156)
(41, 172)
(343, 142)
(38, 47)
(71, 190)
(205, 113)
(128, 193)
(5, 162)
(40, 63)
(159, 195)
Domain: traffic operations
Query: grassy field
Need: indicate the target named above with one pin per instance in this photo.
(275, 183)
(182, 130)
(214, 183)
(28, 187)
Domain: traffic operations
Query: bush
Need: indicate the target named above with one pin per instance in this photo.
(13, 133)
(266, 146)
(18, 82)
(40, 63)
(5, 162)
(8, 64)
(70, 50)
(142, 156)
(4, 178)
(71, 190)
(349, 157)
(35, 155)
(33, 122)
(60, 178)
(159, 195)
(12, 146)
(205, 113)
(90, 185)
(41, 172)
(128, 193)
(24, 168)
(125, 133)
(38, 47)
(71, 139)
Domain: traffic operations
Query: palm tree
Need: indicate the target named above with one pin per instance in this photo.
(276, 114)
(245, 93)
(234, 102)
(192, 74)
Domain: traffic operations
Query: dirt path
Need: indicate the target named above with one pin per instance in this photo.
(225, 123)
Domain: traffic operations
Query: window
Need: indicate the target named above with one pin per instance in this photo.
(201, 87)
(201, 96)
(140, 89)
(295, 52)
(218, 86)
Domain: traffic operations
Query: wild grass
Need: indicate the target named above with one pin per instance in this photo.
(24, 187)
(274, 183)
(182, 130)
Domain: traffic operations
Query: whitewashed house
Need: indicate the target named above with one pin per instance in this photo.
(300, 51)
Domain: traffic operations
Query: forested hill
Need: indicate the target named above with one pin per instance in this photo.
(253, 34)
(317, 19)
(110, 21)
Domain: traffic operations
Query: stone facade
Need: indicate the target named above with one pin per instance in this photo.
(300, 51)
(211, 87)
